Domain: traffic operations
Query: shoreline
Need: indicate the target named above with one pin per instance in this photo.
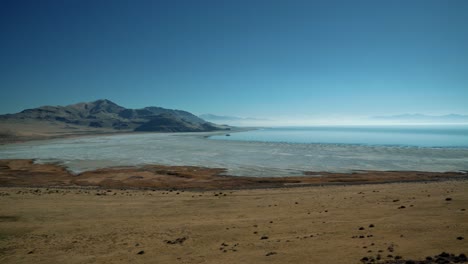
(26, 173)
(238, 158)
(8, 140)
(171, 214)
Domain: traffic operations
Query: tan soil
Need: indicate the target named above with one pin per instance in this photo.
(94, 217)
(27, 173)
(303, 225)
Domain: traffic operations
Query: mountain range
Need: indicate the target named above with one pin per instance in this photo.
(105, 114)
(421, 118)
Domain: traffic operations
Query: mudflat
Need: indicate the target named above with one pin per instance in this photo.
(26, 173)
(340, 223)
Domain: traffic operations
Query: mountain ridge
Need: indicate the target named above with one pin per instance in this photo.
(104, 113)
(416, 117)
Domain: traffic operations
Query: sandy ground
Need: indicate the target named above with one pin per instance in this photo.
(282, 225)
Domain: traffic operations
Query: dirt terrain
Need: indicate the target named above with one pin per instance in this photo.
(163, 214)
(27, 173)
(328, 224)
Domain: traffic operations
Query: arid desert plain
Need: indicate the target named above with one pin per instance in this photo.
(273, 223)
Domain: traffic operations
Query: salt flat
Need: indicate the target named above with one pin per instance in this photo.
(239, 158)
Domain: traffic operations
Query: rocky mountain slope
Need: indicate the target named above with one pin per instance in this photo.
(104, 114)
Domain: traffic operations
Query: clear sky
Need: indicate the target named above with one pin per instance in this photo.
(258, 58)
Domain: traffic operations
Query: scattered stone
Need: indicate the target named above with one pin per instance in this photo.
(176, 241)
(263, 238)
(371, 225)
(448, 199)
(361, 228)
(141, 252)
(270, 254)
(442, 258)
(460, 238)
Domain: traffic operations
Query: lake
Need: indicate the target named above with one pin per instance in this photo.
(260, 157)
(418, 136)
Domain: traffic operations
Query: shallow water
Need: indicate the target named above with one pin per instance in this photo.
(240, 158)
(402, 135)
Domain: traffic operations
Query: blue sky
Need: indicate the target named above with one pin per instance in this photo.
(245, 58)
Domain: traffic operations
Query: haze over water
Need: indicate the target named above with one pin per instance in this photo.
(395, 135)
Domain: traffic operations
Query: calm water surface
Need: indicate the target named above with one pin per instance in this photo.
(419, 136)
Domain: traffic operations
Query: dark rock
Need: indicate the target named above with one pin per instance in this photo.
(176, 241)
(444, 255)
(462, 257)
(141, 252)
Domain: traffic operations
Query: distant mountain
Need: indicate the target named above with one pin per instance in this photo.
(231, 120)
(212, 117)
(109, 115)
(420, 118)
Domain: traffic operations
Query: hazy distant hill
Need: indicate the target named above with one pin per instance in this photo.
(232, 120)
(420, 118)
(108, 115)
